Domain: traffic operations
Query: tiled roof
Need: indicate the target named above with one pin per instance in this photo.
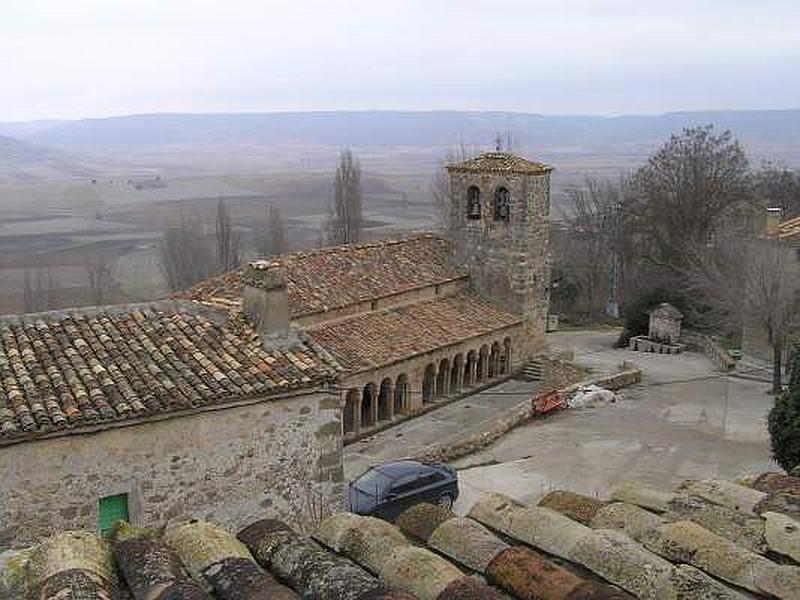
(330, 278)
(790, 230)
(383, 337)
(500, 161)
(63, 370)
(706, 539)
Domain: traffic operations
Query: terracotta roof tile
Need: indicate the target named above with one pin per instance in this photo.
(790, 230)
(59, 370)
(330, 278)
(500, 161)
(383, 337)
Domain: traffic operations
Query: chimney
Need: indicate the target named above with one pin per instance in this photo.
(264, 300)
(774, 222)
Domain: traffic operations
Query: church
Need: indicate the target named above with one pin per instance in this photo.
(234, 399)
(414, 321)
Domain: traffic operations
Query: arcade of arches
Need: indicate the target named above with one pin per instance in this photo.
(377, 398)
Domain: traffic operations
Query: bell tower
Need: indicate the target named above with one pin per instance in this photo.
(499, 225)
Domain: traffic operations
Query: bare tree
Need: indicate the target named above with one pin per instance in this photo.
(777, 186)
(587, 248)
(101, 278)
(443, 200)
(227, 239)
(186, 255)
(754, 282)
(345, 222)
(273, 239)
(683, 193)
(39, 287)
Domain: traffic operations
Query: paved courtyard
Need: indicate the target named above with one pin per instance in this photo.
(684, 420)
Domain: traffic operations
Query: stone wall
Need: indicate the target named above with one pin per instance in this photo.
(664, 328)
(507, 261)
(278, 458)
(429, 292)
(561, 372)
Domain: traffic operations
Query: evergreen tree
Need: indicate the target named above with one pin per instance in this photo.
(784, 421)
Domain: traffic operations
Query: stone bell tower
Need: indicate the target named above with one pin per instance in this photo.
(499, 225)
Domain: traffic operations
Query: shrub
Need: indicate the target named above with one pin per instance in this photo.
(784, 421)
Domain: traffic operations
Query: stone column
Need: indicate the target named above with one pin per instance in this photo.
(390, 400)
(375, 393)
(357, 413)
(473, 370)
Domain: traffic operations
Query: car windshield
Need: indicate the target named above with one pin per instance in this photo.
(374, 483)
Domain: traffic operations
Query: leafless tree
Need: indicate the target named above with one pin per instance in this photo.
(272, 239)
(100, 278)
(777, 186)
(443, 199)
(39, 287)
(227, 239)
(186, 255)
(587, 246)
(683, 193)
(754, 282)
(345, 222)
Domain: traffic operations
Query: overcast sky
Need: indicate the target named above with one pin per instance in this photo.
(75, 58)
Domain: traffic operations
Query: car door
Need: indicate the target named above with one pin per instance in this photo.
(431, 486)
(403, 494)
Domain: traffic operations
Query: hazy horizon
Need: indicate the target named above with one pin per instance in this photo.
(93, 58)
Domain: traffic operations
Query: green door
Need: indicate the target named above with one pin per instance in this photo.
(110, 510)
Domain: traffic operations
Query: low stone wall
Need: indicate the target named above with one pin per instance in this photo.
(518, 415)
(559, 372)
(718, 355)
(641, 343)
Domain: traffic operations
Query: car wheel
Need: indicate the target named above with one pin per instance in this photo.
(445, 501)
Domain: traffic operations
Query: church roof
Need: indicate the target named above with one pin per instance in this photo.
(331, 278)
(502, 162)
(63, 370)
(383, 337)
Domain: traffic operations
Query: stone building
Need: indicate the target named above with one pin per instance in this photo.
(235, 396)
(157, 413)
(665, 324)
(416, 320)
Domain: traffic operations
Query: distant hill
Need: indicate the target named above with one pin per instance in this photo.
(21, 160)
(406, 128)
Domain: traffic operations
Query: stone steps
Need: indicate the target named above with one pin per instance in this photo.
(532, 371)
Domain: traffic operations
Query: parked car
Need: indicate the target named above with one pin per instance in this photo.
(387, 490)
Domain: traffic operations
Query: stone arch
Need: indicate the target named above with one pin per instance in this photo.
(494, 360)
(368, 406)
(429, 384)
(469, 368)
(401, 394)
(506, 357)
(442, 378)
(483, 359)
(385, 400)
(349, 418)
(473, 202)
(456, 372)
(502, 204)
